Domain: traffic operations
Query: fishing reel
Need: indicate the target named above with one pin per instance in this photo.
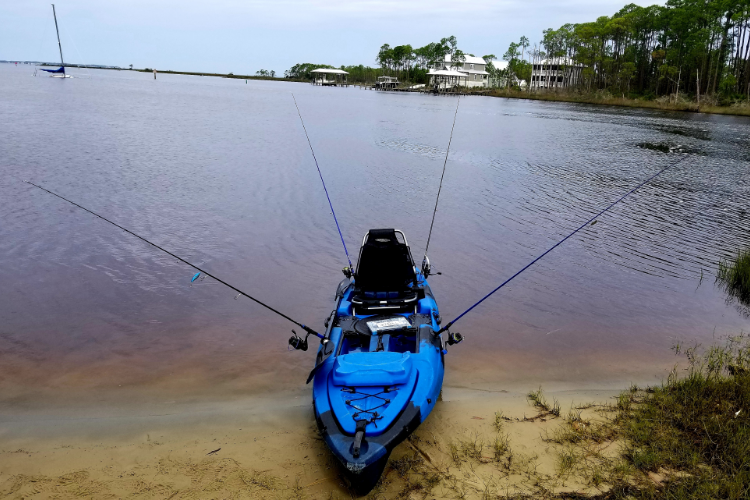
(426, 268)
(454, 338)
(297, 342)
(347, 272)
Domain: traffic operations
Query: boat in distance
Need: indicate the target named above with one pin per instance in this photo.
(379, 368)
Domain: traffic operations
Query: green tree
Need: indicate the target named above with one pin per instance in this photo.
(524, 43)
(302, 71)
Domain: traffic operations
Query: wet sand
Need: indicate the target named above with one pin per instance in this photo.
(268, 447)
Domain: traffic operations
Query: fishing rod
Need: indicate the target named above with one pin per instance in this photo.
(425, 260)
(348, 271)
(657, 174)
(200, 270)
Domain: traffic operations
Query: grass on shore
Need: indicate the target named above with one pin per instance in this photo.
(687, 439)
(734, 276)
(740, 108)
(694, 432)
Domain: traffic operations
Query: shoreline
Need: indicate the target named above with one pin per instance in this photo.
(260, 448)
(622, 102)
(566, 97)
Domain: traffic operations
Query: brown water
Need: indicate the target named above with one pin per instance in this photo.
(219, 172)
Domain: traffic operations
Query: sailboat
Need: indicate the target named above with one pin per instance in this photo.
(59, 72)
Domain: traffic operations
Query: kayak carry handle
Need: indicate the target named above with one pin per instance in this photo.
(358, 436)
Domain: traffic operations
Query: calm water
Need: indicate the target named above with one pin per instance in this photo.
(219, 172)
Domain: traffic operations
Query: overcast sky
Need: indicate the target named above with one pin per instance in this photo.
(243, 36)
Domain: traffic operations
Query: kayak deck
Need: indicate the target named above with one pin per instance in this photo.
(379, 369)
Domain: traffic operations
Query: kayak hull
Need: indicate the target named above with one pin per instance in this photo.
(389, 386)
(364, 472)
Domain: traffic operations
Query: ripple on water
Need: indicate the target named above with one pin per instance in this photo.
(221, 173)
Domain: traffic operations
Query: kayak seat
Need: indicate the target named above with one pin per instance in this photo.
(380, 295)
(392, 301)
(385, 277)
(361, 369)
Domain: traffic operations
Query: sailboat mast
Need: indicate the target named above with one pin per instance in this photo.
(62, 62)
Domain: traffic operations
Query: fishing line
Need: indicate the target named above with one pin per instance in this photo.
(307, 329)
(441, 184)
(351, 268)
(450, 323)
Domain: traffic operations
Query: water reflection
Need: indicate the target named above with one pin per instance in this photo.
(219, 172)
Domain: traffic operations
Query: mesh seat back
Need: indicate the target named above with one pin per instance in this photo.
(385, 264)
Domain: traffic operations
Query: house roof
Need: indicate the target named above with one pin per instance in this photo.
(562, 60)
(473, 71)
(446, 72)
(469, 59)
(330, 71)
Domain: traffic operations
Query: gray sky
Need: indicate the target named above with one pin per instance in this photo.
(243, 36)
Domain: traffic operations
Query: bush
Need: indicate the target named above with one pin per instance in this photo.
(734, 276)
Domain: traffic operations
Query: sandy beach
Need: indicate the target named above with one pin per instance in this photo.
(268, 447)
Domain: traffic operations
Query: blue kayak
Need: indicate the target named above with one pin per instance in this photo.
(379, 369)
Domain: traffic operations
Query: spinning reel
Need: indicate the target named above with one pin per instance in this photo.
(297, 342)
(300, 344)
(454, 338)
(427, 267)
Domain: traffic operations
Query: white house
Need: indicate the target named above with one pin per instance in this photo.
(555, 73)
(473, 71)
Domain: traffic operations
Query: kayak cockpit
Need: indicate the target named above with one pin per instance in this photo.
(355, 340)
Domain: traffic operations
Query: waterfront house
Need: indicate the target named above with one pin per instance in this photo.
(386, 83)
(445, 79)
(555, 73)
(472, 72)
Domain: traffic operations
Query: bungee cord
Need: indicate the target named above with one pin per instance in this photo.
(200, 270)
(351, 268)
(657, 174)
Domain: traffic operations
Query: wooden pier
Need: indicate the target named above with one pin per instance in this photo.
(425, 90)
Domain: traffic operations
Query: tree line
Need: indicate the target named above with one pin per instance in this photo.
(697, 47)
(402, 61)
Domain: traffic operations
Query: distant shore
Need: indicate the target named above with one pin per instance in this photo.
(604, 99)
(218, 75)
